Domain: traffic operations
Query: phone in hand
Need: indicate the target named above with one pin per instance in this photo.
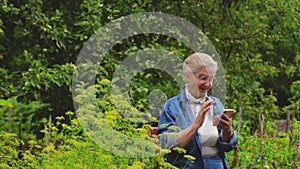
(229, 112)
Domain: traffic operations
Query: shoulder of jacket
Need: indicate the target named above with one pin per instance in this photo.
(174, 100)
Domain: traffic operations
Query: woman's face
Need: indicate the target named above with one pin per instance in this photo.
(200, 82)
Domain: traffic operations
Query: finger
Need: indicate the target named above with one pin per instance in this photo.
(225, 117)
(205, 109)
(216, 120)
(225, 125)
(206, 106)
(208, 103)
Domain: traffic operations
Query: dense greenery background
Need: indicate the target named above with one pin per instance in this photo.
(258, 42)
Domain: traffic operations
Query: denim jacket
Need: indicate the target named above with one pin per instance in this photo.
(176, 116)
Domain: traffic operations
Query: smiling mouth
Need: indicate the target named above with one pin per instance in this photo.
(203, 89)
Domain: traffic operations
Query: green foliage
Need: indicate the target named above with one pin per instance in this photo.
(295, 99)
(277, 149)
(9, 149)
(17, 117)
(65, 148)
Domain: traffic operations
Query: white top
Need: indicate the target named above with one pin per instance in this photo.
(208, 133)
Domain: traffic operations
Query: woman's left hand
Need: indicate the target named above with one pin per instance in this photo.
(225, 123)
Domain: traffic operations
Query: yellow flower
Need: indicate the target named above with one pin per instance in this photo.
(72, 66)
(49, 148)
(165, 151)
(189, 157)
(74, 122)
(137, 165)
(4, 165)
(69, 113)
(45, 131)
(54, 128)
(37, 146)
(31, 142)
(64, 126)
(59, 118)
(179, 150)
(105, 82)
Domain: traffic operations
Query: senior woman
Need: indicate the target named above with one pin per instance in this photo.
(192, 120)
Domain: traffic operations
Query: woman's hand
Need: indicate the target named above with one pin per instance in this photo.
(201, 115)
(224, 123)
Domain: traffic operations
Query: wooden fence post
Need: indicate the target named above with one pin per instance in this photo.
(234, 161)
(261, 119)
(288, 122)
(297, 152)
(9, 118)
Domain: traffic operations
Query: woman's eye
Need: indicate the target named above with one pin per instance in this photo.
(203, 78)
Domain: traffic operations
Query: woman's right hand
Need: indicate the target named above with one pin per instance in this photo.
(201, 115)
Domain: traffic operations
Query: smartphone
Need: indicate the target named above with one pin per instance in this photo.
(229, 112)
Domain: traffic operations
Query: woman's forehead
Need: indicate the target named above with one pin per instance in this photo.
(208, 71)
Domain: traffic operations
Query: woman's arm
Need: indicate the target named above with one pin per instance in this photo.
(170, 135)
(184, 137)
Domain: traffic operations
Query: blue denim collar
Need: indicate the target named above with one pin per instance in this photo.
(185, 106)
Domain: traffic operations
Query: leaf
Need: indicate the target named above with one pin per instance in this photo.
(5, 103)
